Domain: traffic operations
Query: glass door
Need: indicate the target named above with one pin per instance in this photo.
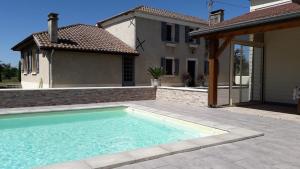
(128, 71)
(246, 74)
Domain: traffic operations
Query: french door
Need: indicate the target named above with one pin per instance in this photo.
(128, 71)
(246, 72)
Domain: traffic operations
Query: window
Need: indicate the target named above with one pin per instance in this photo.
(192, 40)
(30, 61)
(35, 61)
(169, 33)
(169, 66)
(206, 67)
(25, 62)
(188, 38)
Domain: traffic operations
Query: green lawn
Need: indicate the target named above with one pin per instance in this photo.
(9, 82)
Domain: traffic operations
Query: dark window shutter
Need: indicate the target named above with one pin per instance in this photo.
(163, 31)
(177, 33)
(29, 61)
(198, 41)
(37, 58)
(176, 66)
(163, 63)
(187, 37)
(206, 68)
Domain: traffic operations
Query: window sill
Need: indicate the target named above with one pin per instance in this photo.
(169, 76)
(193, 45)
(171, 44)
(33, 73)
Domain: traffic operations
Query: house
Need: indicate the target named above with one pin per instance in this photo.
(161, 38)
(72, 56)
(265, 67)
(116, 52)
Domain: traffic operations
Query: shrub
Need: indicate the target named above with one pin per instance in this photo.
(156, 72)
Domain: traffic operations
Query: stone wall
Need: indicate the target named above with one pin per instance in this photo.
(196, 97)
(10, 98)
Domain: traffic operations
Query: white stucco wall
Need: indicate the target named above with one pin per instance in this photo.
(40, 79)
(124, 30)
(154, 49)
(84, 69)
(282, 65)
(260, 4)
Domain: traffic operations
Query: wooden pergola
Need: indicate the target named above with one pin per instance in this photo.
(226, 35)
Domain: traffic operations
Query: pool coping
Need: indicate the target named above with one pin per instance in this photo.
(143, 154)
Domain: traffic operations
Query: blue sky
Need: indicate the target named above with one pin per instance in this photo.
(20, 18)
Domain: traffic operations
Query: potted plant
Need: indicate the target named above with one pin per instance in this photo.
(156, 73)
(202, 78)
(186, 79)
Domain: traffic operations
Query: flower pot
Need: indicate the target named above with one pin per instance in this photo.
(155, 82)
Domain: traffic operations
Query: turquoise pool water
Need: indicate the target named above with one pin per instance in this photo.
(28, 141)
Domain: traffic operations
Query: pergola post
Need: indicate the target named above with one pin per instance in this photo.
(213, 72)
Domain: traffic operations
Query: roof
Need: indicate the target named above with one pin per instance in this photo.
(160, 12)
(259, 17)
(80, 37)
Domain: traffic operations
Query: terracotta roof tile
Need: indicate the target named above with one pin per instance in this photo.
(262, 14)
(162, 13)
(169, 14)
(82, 37)
(252, 18)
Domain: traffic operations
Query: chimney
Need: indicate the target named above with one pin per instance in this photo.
(216, 17)
(52, 27)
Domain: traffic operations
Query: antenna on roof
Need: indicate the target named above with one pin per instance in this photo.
(210, 4)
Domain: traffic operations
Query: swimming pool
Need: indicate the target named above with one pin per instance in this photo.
(38, 139)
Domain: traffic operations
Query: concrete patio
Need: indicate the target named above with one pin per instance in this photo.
(278, 149)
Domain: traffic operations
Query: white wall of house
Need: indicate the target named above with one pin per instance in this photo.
(282, 65)
(125, 30)
(40, 79)
(148, 28)
(261, 4)
(84, 69)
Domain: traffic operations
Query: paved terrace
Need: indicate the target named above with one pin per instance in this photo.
(278, 149)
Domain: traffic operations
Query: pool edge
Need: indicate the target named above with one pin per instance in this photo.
(143, 154)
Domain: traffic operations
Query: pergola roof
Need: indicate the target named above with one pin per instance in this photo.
(279, 14)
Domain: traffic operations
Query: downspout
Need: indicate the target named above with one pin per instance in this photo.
(50, 68)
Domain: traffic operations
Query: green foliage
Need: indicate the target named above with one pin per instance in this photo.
(186, 78)
(19, 72)
(156, 72)
(7, 72)
(238, 68)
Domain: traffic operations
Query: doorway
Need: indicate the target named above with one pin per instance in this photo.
(128, 71)
(247, 73)
(191, 69)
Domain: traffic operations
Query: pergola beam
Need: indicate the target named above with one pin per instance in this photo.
(252, 29)
(213, 72)
(214, 53)
(223, 46)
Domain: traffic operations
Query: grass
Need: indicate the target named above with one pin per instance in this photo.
(10, 82)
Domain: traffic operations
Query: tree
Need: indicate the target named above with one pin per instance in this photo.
(8, 72)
